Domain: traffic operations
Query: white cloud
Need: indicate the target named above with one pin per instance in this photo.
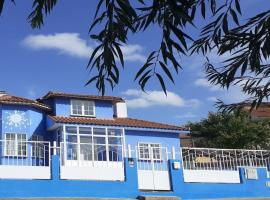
(214, 99)
(139, 99)
(65, 43)
(71, 44)
(187, 115)
(202, 82)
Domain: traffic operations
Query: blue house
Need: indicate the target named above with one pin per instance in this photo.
(69, 145)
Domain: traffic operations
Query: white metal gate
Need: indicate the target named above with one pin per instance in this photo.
(152, 166)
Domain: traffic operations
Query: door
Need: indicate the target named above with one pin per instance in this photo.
(152, 166)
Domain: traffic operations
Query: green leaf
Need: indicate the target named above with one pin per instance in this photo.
(161, 83)
(1, 5)
(203, 9)
(238, 8)
(98, 7)
(120, 54)
(144, 81)
(125, 5)
(225, 24)
(91, 80)
(166, 70)
(234, 15)
(179, 34)
(145, 66)
(213, 6)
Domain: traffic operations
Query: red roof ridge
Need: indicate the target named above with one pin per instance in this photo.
(129, 122)
(52, 94)
(10, 99)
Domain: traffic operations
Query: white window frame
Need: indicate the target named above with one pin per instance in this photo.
(93, 144)
(16, 142)
(83, 109)
(37, 146)
(150, 150)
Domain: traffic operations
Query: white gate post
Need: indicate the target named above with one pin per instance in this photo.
(173, 152)
(129, 151)
(54, 148)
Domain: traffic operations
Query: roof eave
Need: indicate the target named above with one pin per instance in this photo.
(26, 104)
(127, 127)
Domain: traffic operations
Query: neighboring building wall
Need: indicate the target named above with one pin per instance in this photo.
(104, 109)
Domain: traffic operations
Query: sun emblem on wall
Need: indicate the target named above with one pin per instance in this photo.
(16, 119)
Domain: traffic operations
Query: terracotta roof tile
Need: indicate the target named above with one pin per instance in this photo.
(128, 122)
(80, 96)
(9, 99)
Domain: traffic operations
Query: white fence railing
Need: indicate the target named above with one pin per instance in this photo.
(223, 159)
(24, 153)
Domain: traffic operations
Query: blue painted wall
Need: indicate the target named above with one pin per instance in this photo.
(33, 121)
(166, 139)
(104, 109)
(128, 188)
(70, 188)
(247, 188)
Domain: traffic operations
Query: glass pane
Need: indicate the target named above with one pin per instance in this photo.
(72, 151)
(115, 132)
(99, 131)
(86, 152)
(144, 152)
(10, 147)
(115, 153)
(85, 130)
(115, 140)
(156, 153)
(88, 108)
(77, 107)
(21, 137)
(10, 136)
(99, 140)
(89, 112)
(71, 129)
(22, 148)
(100, 153)
(86, 139)
(71, 138)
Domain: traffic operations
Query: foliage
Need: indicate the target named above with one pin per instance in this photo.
(116, 20)
(231, 130)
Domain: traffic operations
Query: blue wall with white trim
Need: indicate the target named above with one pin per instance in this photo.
(104, 109)
(129, 187)
(32, 121)
(166, 139)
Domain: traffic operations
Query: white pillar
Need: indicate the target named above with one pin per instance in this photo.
(173, 152)
(54, 148)
(129, 151)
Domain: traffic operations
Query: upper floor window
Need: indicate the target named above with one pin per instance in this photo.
(82, 108)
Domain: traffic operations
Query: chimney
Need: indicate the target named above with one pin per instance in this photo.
(2, 93)
(121, 110)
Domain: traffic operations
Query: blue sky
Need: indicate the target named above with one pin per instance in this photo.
(54, 58)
